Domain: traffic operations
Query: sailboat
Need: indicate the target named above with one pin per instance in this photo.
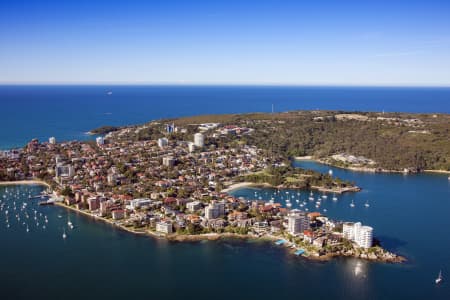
(64, 234)
(352, 204)
(334, 197)
(439, 278)
(69, 223)
(367, 204)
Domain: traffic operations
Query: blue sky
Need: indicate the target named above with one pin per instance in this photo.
(226, 42)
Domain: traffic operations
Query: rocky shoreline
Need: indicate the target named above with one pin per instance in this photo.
(363, 169)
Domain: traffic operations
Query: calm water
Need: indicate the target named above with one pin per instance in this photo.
(409, 213)
(67, 112)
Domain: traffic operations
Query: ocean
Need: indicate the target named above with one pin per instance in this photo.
(409, 214)
(68, 112)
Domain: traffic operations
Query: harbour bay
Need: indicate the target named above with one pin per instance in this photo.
(408, 213)
(95, 250)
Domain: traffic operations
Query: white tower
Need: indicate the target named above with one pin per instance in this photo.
(100, 141)
(199, 140)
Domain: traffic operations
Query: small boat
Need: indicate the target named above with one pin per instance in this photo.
(439, 278)
(289, 205)
(334, 197)
(109, 93)
(352, 204)
(367, 204)
(64, 235)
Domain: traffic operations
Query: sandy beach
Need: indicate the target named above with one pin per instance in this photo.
(25, 182)
(245, 184)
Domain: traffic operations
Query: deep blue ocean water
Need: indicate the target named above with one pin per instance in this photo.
(68, 112)
(409, 213)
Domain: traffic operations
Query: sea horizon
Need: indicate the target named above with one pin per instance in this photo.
(67, 112)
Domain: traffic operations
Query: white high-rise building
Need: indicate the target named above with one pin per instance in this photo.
(52, 140)
(199, 140)
(162, 142)
(298, 221)
(191, 147)
(356, 232)
(214, 210)
(100, 140)
(64, 170)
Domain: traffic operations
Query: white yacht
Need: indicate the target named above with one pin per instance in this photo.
(439, 278)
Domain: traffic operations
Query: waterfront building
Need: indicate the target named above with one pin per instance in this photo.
(298, 222)
(104, 208)
(163, 142)
(356, 232)
(93, 203)
(261, 227)
(100, 141)
(164, 227)
(118, 214)
(214, 210)
(52, 140)
(199, 140)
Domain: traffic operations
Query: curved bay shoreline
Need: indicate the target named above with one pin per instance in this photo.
(209, 236)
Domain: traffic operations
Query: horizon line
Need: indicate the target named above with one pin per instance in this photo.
(187, 84)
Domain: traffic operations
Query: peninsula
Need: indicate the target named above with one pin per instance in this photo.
(171, 178)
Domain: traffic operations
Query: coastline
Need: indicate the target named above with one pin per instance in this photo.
(364, 169)
(219, 236)
(25, 182)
